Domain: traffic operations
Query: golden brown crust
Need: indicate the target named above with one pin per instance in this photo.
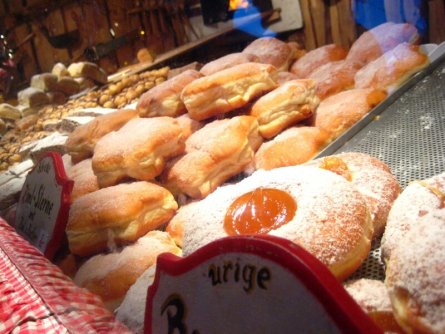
(111, 275)
(137, 150)
(339, 112)
(293, 146)
(271, 50)
(80, 143)
(375, 42)
(215, 153)
(227, 90)
(312, 60)
(117, 215)
(227, 61)
(334, 77)
(392, 68)
(85, 181)
(286, 105)
(372, 178)
(164, 99)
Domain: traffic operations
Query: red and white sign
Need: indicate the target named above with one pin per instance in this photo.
(42, 211)
(260, 284)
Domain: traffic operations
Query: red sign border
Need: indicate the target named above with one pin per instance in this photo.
(58, 234)
(315, 276)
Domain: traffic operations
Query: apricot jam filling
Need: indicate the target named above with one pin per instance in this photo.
(337, 166)
(259, 211)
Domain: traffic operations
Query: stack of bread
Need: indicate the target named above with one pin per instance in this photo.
(174, 170)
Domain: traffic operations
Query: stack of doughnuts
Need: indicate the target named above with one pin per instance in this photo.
(173, 163)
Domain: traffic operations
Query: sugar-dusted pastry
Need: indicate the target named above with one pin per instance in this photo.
(312, 207)
(218, 151)
(227, 61)
(227, 90)
(313, 59)
(111, 275)
(293, 146)
(286, 105)
(85, 181)
(138, 150)
(81, 142)
(117, 215)
(392, 68)
(164, 99)
(273, 51)
(339, 112)
(378, 40)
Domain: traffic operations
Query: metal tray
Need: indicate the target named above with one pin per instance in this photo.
(406, 131)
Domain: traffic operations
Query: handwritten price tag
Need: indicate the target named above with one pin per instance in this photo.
(42, 211)
(258, 284)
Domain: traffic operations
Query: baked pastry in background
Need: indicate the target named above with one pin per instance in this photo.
(164, 99)
(188, 125)
(339, 112)
(415, 275)
(334, 77)
(313, 59)
(81, 142)
(138, 150)
(227, 90)
(175, 226)
(371, 177)
(284, 76)
(111, 275)
(376, 41)
(216, 152)
(85, 181)
(286, 105)
(273, 51)
(228, 61)
(392, 68)
(312, 207)
(373, 298)
(117, 215)
(293, 146)
(416, 200)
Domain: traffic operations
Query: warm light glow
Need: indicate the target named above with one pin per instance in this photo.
(142, 32)
(236, 4)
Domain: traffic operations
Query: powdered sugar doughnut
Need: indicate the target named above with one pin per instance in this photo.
(418, 198)
(373, 298)
(312, 207)
(371, 177)
(415, 276)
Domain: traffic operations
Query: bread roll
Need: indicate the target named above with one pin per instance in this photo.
(392, 68)
(339, 112)
(32, 97)
(88, 70)
(334, 77)
(85, 181)
(375, 42)
(67, 85)
(312, 60)
(45, 81)
(293, 146)
(286, 105)
(227, 90)
(81, 142)
(117, 215)
(138, 150)
(227, 61)
(218, 151)
(111, 275)
(164, 99)
(271, 50)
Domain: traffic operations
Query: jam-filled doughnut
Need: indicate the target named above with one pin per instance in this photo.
(373, 298)
(416, 200)
(415, 276)
(371, 177)
(315, 208)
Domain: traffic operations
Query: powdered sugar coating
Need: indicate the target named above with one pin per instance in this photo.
(416, 275)
(370, 294)
(415, 201)
(332, 220)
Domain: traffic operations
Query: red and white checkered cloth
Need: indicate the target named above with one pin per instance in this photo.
(36, 297)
